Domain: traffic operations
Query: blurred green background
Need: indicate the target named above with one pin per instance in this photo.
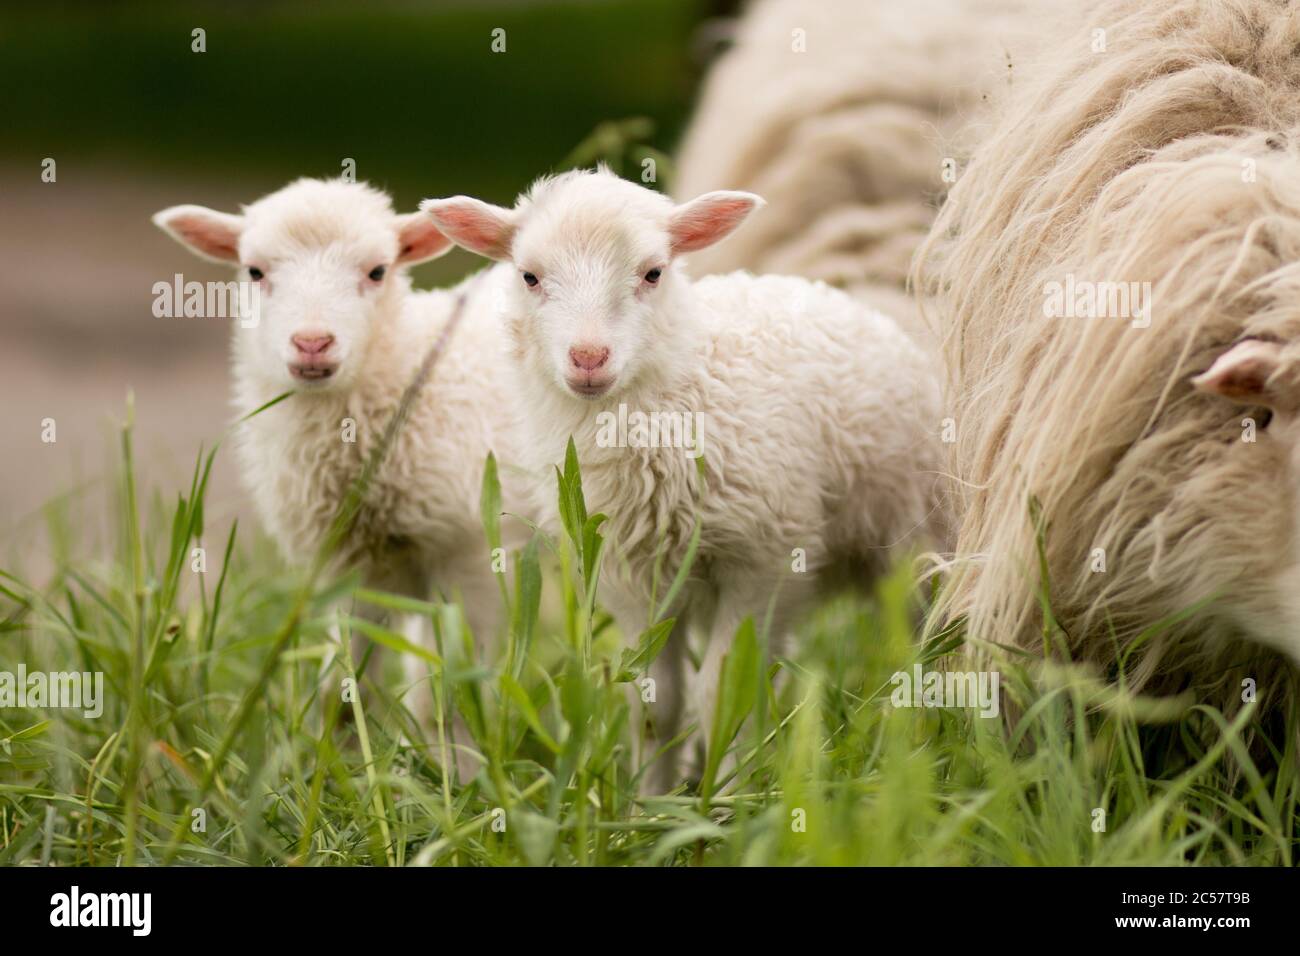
(413, 92)
(135, 121)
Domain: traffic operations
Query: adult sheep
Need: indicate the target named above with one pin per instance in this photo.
(846, 116)
(1160, 443)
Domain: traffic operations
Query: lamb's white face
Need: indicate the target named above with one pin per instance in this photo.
(594, 257)
(318, 304)
(324, 257)
(584, 301)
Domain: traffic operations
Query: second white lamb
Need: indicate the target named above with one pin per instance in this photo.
(802, 428)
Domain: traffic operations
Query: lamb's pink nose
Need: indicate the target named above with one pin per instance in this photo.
(588, 359)
(311, 344)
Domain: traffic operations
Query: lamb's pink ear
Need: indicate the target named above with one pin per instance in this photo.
(478, 226)
(1245, 373)
(419, 239)
(710, 218)
(210, 234)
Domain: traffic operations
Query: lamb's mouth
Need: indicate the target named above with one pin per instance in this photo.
(589, 389)
(311, 373)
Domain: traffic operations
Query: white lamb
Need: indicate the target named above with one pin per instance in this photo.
(817, 418)
(340, 324)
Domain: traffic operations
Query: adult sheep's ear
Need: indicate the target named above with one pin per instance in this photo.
(208, 233)
(1248, 373)
(419, 239)
(477, 226)
(710, 218)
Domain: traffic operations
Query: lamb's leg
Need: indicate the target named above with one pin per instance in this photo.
(400, 576)
(704, 683)
(419, 687)
(750, 595)
(357, 642)
(655, 705)
(419, 698)
(659, 720)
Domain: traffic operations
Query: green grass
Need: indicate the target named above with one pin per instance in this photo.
(226, 693)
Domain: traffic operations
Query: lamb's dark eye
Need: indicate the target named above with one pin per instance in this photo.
(653, 276)
(530, 280)
(1265, 417)
(255, 273)
(377, 273)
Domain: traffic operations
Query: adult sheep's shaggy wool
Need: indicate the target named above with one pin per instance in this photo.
(845, 116)
(1162, 151)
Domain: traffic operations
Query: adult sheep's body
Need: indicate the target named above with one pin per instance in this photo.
(1169, 155)
(848, 117)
